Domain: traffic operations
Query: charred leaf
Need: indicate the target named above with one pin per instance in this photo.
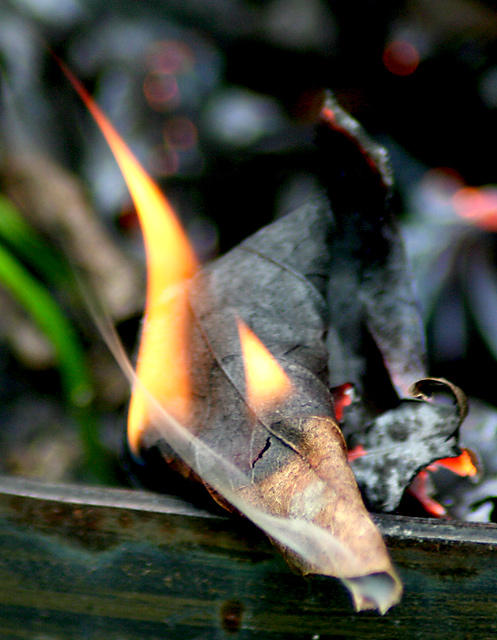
(316, 287)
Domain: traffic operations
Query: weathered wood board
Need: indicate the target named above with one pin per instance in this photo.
(90, 563)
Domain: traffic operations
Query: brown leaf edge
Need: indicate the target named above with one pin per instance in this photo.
(318, 486)
(425, 389)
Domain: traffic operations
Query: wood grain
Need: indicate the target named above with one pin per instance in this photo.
(93, 563)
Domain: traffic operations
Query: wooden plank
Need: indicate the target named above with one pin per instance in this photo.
(94, 563)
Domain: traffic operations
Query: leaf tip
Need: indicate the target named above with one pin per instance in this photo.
(377, 591)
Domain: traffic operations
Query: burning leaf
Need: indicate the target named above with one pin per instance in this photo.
(281, 461)
(286, 455)
(255, 420)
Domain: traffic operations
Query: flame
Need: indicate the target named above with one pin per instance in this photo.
(267, 383)
(163, 362)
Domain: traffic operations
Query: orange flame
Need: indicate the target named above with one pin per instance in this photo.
(163, 362)
(267, 383)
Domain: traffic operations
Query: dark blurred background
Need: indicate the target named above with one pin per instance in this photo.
(217, 99)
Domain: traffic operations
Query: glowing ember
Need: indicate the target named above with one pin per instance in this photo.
(267, 383)
(356, 452)
(343, 396)
(401, 58)
(163, 362)
(462, 465)
(420, 489)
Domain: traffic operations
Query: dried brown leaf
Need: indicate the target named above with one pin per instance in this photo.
(285, 464)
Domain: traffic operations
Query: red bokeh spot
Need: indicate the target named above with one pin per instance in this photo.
(161, 90)
(477, 205)
(401, 58)
(180, 133)
(171, 56)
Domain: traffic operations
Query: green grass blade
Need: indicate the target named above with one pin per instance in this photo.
(75, 378)
(31, 247)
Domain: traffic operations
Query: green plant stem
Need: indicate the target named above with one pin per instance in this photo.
(75, 379)
(31, 247)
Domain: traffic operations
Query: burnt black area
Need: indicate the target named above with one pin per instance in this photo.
(343, 165)
(398, 432)
(262, 452)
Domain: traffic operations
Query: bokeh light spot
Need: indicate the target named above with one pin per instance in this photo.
(401, 58)
(477, 205)
(164, 162)
(180, 133)
(171, 56)
(161, 90)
